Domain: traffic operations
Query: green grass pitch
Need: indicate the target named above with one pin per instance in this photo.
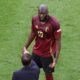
(15, 24)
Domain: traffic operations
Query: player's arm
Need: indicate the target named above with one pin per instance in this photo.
(57, 36)
(30, 39)
(57, 47)
(28, 42)
(58, 44)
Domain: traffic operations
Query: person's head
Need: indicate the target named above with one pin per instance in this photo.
(43, 12)
(26, 59)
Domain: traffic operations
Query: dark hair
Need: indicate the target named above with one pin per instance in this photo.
(26, 59)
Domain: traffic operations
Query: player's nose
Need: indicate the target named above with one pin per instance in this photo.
(41, 15)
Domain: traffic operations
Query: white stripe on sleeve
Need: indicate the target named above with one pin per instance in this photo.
(59, 30)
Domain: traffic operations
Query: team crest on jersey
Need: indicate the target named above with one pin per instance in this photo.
(46, 29)
(36, 26)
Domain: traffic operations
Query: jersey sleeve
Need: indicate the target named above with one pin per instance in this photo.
(33, 25)
(57, 29)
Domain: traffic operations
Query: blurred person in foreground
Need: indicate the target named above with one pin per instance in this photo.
(30, 70)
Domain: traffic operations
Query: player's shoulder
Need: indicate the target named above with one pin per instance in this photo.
(54, 19)
(16, 72)
(35, 17)
(55, 23)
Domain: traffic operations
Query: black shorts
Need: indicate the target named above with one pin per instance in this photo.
(43, 62)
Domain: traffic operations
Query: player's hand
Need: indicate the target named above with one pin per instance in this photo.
(52, 65)
(25, 51)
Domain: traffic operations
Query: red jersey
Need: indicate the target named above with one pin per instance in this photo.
(45, 32)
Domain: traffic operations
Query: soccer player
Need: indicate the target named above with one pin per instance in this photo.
(47, 35)
(30, 71)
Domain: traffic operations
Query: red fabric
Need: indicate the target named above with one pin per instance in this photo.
(49, 77)
(57, 34)
(45, 35)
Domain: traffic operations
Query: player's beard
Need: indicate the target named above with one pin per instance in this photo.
(44, 19)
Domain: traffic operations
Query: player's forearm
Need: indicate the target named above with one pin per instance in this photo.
(58, 48)
(30, 39)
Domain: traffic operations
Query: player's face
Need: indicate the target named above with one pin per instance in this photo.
(42, 15)
(42, 12)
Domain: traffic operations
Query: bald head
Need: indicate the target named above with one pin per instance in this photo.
(42, 12)
(43, 9)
